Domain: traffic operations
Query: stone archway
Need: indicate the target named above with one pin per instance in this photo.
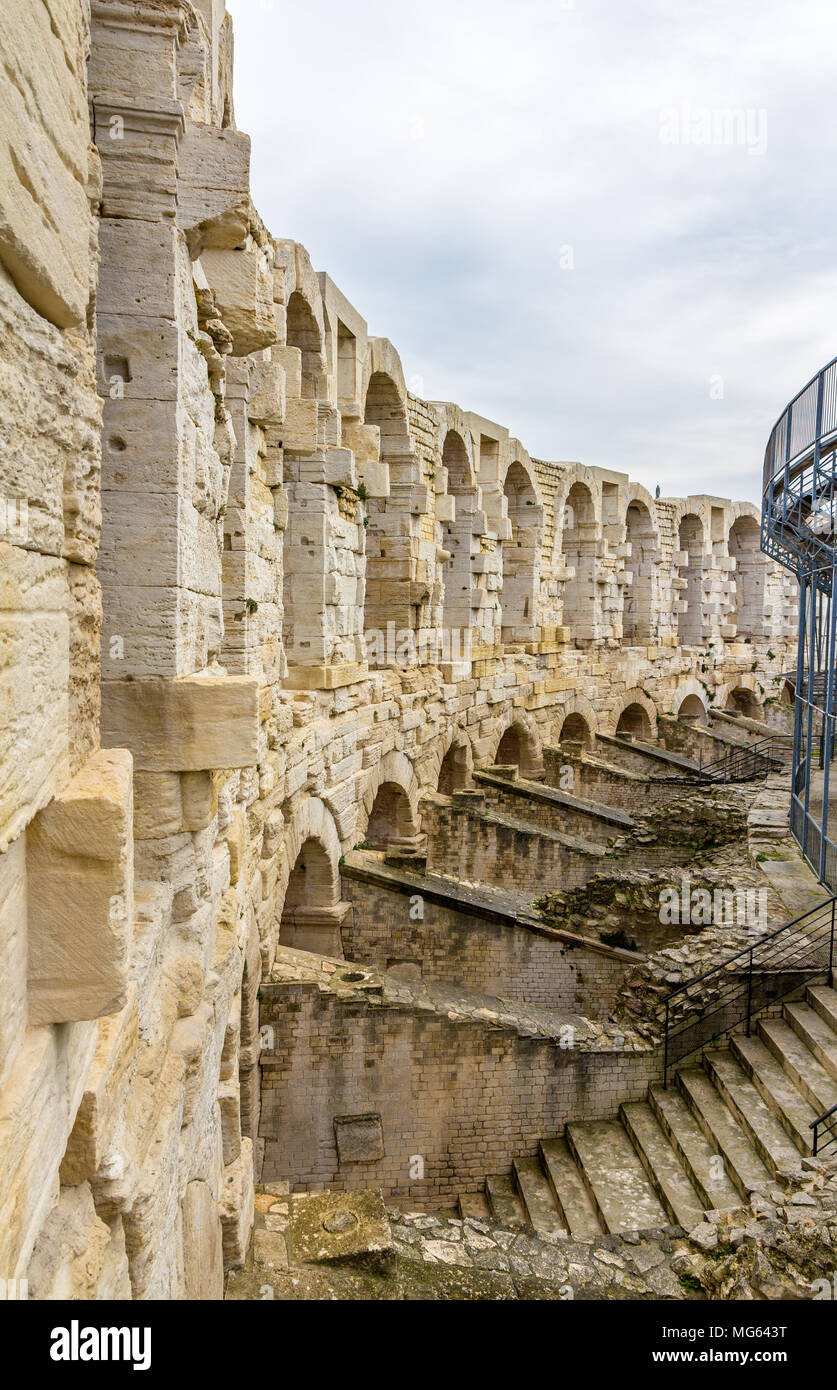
(641, 536)
(520, 556)
(579, 547)
(518, 746)
(635, 723)
(309, 909)
(455, 772)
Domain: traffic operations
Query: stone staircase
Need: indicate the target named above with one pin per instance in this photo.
(727, 1125)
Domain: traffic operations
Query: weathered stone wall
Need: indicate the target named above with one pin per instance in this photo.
(488, 955)
(217, 496)
(428, 1083)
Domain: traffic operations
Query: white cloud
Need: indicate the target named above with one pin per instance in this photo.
(435, 159)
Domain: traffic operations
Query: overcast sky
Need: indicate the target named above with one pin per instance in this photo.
(544, 206)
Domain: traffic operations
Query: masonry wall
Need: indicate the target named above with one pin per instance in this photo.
(477, 953)
(465, 1099)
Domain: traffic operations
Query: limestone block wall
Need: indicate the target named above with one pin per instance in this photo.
(256, 598)
(478, 952)
(464, 1099)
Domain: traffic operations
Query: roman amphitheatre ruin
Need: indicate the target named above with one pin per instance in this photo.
(347, 750)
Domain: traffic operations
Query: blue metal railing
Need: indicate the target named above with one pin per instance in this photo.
(799, 530)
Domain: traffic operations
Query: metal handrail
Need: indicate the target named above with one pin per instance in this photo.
(761, 756)
(772, 967)
(815, 1126)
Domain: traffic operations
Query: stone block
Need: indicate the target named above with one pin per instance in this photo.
(80, 894)
(190, 724)
(335, 1225)
(244, 295)
(359, 1138)
(213, 180)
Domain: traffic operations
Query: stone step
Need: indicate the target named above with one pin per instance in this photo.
(743, 1165)
(661, 1163)
(823, 1001)
(709, 1179)
(475, 1205)
(538, 1199)
(503, 1202)
(786, 1102)
(808, 1075)
(571, 1196)
(616, 1180)
(756, 1113)
(816, 1034)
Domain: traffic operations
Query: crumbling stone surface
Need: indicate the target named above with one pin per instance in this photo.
(780, 1245)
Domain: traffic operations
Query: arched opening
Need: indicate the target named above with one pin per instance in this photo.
(517, 748)
(634, 722)
(693, 709)
(743, 701)
(747, 613)
(639, 564)
(690, 619)
(458, 538)
(391, 597)
(578, 547)
(575, 729)
(391, 818)
(311, 898)
(303, 333)
(454, 774)
(520, 556)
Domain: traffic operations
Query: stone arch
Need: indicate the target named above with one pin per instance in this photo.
(391, 594)
(578, 705)
(579, 548)
(456, 764)
(457, 537)
(642, 536)
(518, 743)
(748, 580)
(395, 771)
(521, 553)
(693, 709)
(304, 332)
(691, 694)
(575, 729)
(629, 718)
(311, 911)
(742, 698)
(691, 549)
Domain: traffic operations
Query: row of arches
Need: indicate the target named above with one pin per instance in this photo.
(391, 588)
(390, 814)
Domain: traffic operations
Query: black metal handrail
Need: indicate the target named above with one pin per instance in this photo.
(732, 992)
(830, 1116)
(739, 764)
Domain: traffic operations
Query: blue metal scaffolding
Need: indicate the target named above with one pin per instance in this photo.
(799, 530)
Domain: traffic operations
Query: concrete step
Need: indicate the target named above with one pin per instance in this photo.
(709, 1179)
(756, 1110)
(823, 1001)
(816, 1034)
(571, 1196)
(537, 1195)
(662, 1164)
(503, 1202)
(473, 1204)
(790, 1107)
(615, 1178)
(743, 1165)
(810, 1078)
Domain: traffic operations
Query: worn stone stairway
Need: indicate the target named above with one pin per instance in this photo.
(726, 1125)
